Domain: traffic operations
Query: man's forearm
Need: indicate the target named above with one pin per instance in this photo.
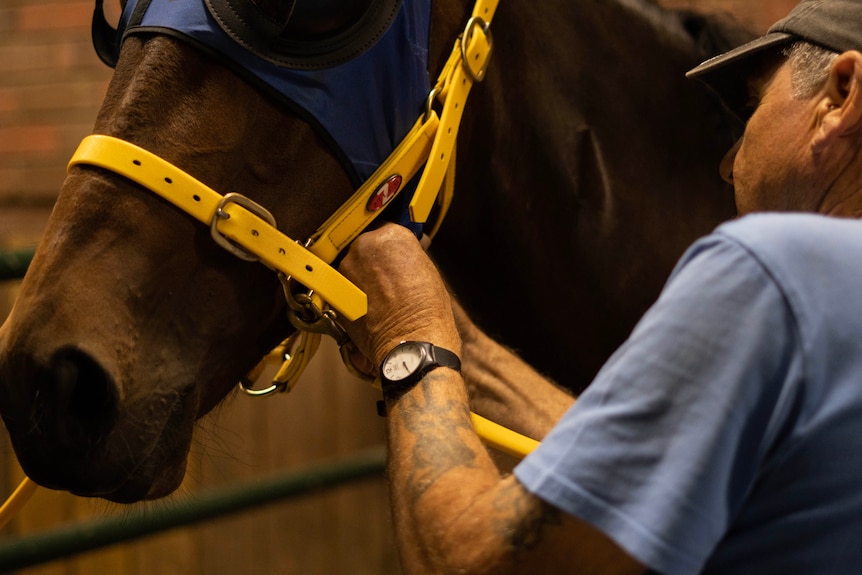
(504, 388)
(440, 472)
(453, 511)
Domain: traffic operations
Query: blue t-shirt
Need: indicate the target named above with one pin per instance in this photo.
(725, 436)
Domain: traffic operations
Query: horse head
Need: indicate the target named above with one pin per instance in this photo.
(132, 322)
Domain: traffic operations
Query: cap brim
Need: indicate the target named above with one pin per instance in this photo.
(741, 53)
(727, 73)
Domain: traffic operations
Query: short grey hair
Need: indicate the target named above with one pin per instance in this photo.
(810, 66)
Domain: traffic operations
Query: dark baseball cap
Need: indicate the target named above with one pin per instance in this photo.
(835, 25)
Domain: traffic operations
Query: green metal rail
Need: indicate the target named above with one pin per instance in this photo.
(13, 263)
(26, 551)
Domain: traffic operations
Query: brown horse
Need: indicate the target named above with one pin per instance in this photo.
(586, 164)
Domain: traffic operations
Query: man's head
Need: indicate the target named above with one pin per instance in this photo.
(800, 89)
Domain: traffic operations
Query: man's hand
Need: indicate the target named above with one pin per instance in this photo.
(407, 299)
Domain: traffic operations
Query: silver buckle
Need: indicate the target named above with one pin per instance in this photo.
(476, 75)
(221, 214)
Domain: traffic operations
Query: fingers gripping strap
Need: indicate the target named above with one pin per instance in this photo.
(236, 222)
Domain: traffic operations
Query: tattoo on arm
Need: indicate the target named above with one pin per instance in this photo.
(437, 427)
(426, 415)
(521, 517)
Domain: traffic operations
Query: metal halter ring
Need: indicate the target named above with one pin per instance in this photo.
(305, 315)
(476, 75)
(284, 351)
(246, 387)
(221, 214)
(429, 102)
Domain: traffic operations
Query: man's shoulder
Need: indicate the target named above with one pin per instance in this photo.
(792, 232)
(811, 258)
(802, 254)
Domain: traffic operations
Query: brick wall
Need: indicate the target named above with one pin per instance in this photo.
(51, 83)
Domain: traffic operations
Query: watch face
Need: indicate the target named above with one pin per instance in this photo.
(402, 362)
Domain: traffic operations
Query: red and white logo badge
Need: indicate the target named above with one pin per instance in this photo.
(384, 193)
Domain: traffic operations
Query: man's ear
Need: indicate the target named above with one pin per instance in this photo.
(840, 108)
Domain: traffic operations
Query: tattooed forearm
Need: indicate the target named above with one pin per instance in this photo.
(521, 519)
(426, 413)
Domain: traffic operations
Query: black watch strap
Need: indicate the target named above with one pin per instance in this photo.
(430, 357)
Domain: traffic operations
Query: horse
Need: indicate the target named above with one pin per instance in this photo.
(586, 164)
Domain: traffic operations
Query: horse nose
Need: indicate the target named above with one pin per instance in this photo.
(61, 410)
(79, 399)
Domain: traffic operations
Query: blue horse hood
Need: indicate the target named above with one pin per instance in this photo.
(362, 107)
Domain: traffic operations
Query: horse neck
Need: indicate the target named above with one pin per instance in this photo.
(448, 18)
(583, 64)
(584, 132)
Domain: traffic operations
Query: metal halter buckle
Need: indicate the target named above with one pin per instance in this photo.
(221, 214)
(476, 21)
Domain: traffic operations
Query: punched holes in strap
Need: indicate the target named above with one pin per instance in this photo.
(243, 227)
(466, 66)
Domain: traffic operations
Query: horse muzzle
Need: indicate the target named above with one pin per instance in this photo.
(71, 431)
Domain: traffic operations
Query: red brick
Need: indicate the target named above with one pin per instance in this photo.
(9, 101)
(24, 139)
(55, 16)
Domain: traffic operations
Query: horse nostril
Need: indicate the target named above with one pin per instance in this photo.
(81, 395)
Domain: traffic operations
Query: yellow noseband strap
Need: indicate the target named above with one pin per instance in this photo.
(236, 218)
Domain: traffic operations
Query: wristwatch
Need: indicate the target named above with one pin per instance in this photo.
(409, 361)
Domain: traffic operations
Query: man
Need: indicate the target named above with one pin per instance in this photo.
(725, 436)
